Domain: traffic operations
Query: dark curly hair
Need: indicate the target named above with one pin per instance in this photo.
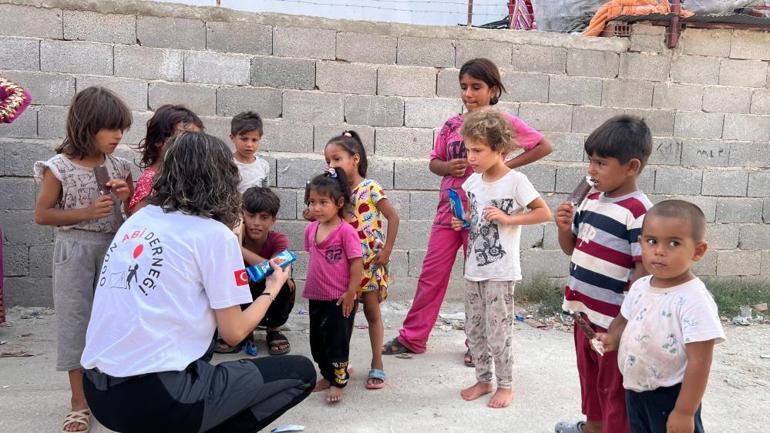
(161, 127)
(198, 177)
(332, 183)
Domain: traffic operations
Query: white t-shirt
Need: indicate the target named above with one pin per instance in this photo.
(493, 250)
(253, 174)
(162, 276)
(660, 323)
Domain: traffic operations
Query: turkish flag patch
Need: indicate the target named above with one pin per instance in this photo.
(241, 278)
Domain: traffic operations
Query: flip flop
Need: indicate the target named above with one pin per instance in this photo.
(276, 339)
(394, 347)
(377, 374)
(82, 417)
(222, 347)
(569, 427)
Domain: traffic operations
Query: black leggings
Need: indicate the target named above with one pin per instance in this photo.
(235, 396)
(330, 334)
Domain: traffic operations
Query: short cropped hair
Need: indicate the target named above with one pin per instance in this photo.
(257, 199)
(622, 137)
(246, 121)
(489, 126)
(682, 210)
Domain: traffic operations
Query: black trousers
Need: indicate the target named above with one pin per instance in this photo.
(278, 312)
(235, 396)
(648, 411)
(330, 334)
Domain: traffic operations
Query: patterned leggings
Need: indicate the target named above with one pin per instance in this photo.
(489, 327)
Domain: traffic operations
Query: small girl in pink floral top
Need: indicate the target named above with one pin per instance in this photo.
(167, 121)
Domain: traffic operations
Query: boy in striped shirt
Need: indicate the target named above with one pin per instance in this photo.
(601, 235)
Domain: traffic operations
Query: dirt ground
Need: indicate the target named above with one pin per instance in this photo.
(422, 393)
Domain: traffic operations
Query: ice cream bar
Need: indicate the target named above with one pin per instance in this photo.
(457, 206)
(260, 271)
(581, 191)
(588, 331)
(102, 177)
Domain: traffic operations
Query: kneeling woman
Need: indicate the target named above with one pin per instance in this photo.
(173, 275)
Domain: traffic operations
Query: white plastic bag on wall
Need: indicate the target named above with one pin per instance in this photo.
(716, 7)
(564, 16)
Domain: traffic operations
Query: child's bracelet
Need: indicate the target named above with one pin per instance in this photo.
(269, 295)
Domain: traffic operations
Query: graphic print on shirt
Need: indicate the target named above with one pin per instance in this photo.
(455, 149)
(485, 235)
(333, 254)
(145, 267)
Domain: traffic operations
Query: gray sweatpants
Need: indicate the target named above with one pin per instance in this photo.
(489, 327)
(77, 261)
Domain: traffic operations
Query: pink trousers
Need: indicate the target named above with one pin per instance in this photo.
(431, 287)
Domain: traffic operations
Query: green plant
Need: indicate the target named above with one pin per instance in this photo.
(731, 294)
(546, 293)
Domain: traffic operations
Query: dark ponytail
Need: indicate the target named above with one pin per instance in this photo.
(332, 183)
(351, 142)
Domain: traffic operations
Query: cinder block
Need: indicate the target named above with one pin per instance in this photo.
(750, 44)
(46, 88)
(29, 291)
(738, 263)
(467, 49)
(766, 211)
(344, 77)
(295, 231)
(725, 183)
(675, 180)
(665, 151)
(412, 142)
(754, 237)
(678, 96)
(132, 92)
(19, 228)
(426, 52)
(19, 156)
(285, 136)
(759, 185)
(705, 153)
(430, 113)
(288, 209)
(566, 146)
(531, 237)
(400, 202)
(18, 193)
(575, 91)
(17, 53)
(538, 58)
(239, 37)
(707, 204)
(646, 180)
(722, 236)
(41, 260)
(366, 48)
(547, 117)
(314, 107)
(707, 266)
(374, 110)
(695, 69)
(448, 86)
(550, 263)
(511, 108)
(24, 126)
(304, 42)
(92, 26)
(323, 133)
(414, 175)
(200, 99)
(567, 177)
(648, 38)
(76, 57)
(399, 264)
(381, 169)
(749, 154)
(726, 99)
(31, 22)
(747, 127)
(138, 129)
(706, 42)
(296, 172)
(423, 204)
(521, 87)
(16, 261)
(592, 63)
(216, 68)
(739, 210)
(627, 93)
(550, 236)
(149, 63)
(586, 119)
(234, 100)
(406, 81)
(660, 122)
(542, 176)
(743, 73)
(171, 32)
(698, 125)
(413, 235)
(283, 73)
(52, 121)
(760, 102)
(644, 66)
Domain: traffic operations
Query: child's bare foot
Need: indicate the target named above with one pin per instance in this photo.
(476, 391)
(334, 395)
(502, 398)
(321, 385)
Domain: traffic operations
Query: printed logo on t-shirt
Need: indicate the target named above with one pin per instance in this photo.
(485, 235)
(241, 277)
(145, 265)
(586, 234)
(333, 254)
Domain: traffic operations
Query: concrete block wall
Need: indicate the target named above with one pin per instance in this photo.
(707, 102)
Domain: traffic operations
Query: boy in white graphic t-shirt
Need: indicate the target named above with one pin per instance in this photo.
(501, 201)
(668, 325)
(246, 133)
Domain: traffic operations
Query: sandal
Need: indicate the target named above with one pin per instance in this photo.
(394, 347)
(375, 375)
(569, 427)
(222, 347)
(277, 343)
(468, 359)
(82, 417)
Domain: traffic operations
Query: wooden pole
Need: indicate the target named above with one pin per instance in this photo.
(470, 13)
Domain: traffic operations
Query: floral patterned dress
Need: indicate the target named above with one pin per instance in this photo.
(367, 220)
